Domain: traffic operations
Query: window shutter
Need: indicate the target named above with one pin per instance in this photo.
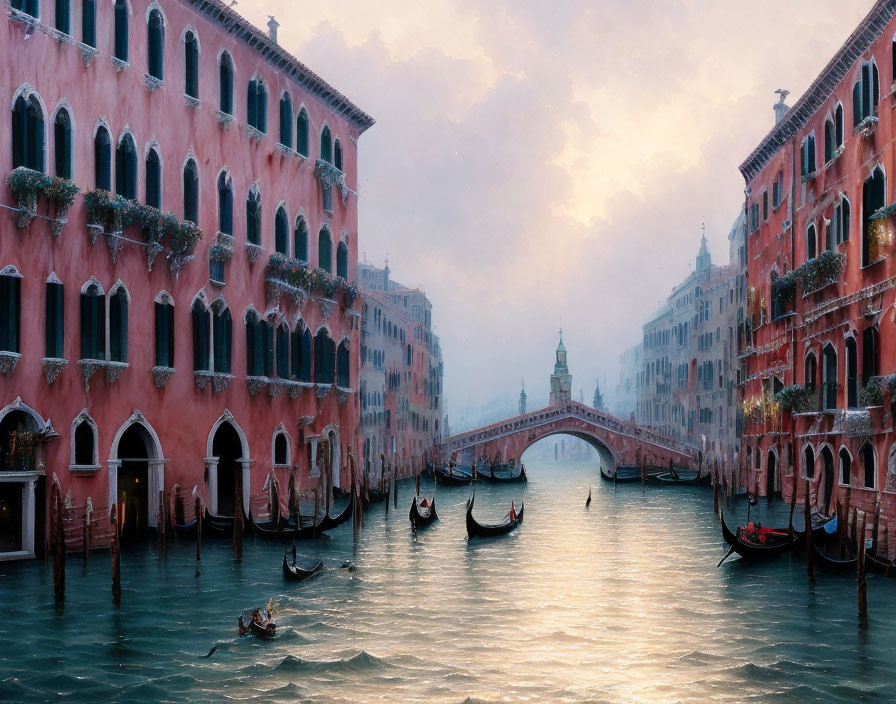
(857, 104)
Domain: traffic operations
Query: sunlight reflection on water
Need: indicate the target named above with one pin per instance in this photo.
(620, 602)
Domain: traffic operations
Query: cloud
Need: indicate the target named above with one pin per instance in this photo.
(538, 161)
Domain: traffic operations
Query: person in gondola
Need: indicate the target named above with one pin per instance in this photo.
(512, 511)
(293, 554)
(424, 503)
(673, 471)
(258, 619)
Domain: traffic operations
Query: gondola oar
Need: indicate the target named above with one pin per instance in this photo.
(588, 500)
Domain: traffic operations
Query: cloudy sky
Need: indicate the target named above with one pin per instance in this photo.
(535, 161)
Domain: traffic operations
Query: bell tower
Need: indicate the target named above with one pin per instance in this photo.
(523, 399)
(561, 379)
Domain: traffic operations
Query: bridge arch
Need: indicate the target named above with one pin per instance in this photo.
(607, 454)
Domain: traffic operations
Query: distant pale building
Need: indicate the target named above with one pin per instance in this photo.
(561, 379)
(523, 399)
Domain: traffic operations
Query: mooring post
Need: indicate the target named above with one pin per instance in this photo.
(389, 487)
(198, 509)
(57, 534)
(860, 566)
(808, 526)
(237, 523)
(115, 553)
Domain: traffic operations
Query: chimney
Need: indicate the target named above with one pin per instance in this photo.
(272, 28)
(780, 107)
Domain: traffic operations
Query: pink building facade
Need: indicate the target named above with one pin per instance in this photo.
(134, 357)
(819, 343)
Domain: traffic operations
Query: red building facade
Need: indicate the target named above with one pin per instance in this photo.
(818, 347)
(136, 356)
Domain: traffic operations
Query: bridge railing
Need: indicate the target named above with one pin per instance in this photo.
(576, 410)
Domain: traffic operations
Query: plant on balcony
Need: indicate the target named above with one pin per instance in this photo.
(28, 185)
(873, 392)
(290, 271)
(114, 213)
(324, 282)
(783, 293)
(821, 271)
(795, 398)
(350, 293)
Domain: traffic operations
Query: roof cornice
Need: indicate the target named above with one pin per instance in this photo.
(237, 26)
(822, 88)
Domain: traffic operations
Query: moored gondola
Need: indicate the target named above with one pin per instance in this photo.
(187, 531)
(299, 573)
(454, 476)
(422, 515)
(755, 542)
(329, 522)
(834, 563)
(824, 530)
(486, 530)
(680, 476)
(504, 473)
(219, 526)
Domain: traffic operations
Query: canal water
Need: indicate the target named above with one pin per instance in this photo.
(620, 602)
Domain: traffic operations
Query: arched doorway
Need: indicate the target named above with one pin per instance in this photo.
(826, 485)
(333, 443)
(227, 448)
(135, 449)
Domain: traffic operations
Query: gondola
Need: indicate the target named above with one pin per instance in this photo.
(265, 630)
(297, 573)
(329, 522)
(486, 530)
(220, 526)
(504, 473)
(622, 474)
(422, 516)
(187, 531)
(828, 562)
(687, 477)
(454, 476)
(824, 530)
(761, 544)
(287, 530)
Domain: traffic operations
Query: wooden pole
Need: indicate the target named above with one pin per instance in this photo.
(876, 526)
(115, 552)
(198, 509)
(163, 526)
(237, 522)
(85, 537)
(808, 527)
(179, 508)
(58, 542)
(395, 487)
(643, 483)
(389, 487)
(715, 494)
(860, 566)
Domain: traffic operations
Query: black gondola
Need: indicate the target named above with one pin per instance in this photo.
(486, 530)
(685, 476)
(772, 542)
(265, 630)
(422, 516)
(329, 522)
(220, 526)
(827, 561)
(187, 531)
(504, 473)
(824, 530)
(623, 474)
(453, 475)
(298, 573)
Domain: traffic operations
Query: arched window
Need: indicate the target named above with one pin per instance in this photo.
(870, 354)
(281, 232)
(153, 179)
(126, 168)
(226, 83)
(88, 23)
(164, 333)
(811, 242)
(63, 16)
(324, 251)
(225, 204)
(282, 352)
(254, 345)
(257, 105)
(302, 133)
(191, 65)
(62, 138)
(301, 353)
(93, 322)
(326, 148)
(253, 217)
(155, 51)
(222, 335)
(300, 244)
(838, 125)
(829, 370)
(343, 367)
(809, 463)
(342, 260)
(829, 140)
(201, 336)
(84, 451)
(121, 30)
(28, 134)
(869, 467)
(865, 93)
(281, 449)
(852, 373)
(845, 467)
(55, 321)
(337, 155)
(874, 238)
(809, 373)
(286, 121)
(118, 325)
(29, 7)
(102, 159)
(324, 353)
(191, 192)
(10, 309)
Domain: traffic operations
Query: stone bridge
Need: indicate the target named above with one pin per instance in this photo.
(618, 442)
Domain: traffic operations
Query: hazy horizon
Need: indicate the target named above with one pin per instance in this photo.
(532, 166)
